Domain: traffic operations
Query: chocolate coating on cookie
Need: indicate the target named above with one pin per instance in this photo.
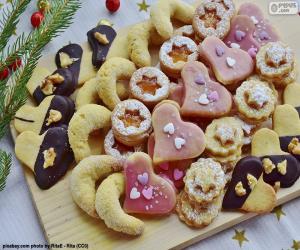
(100, 50)
(248, 165)
(56, 138)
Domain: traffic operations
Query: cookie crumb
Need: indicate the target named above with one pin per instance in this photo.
(281, 167)
(294, 146)
(252, 181)
(239, 189)
(268, 165)
(49, 158)
(101, 38)
(54, 116)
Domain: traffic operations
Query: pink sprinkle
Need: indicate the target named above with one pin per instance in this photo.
(220, 51)
(252, 52)
(239, 35)
(200, 79)
(177, 174)
(264, 35)
(213, 96)
(147, 193)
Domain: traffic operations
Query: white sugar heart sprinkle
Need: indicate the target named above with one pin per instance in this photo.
(169, 128)
(230, 62)
(235, 46)
(179, 142)
(254, 20)
(203, 99)
(134, 193)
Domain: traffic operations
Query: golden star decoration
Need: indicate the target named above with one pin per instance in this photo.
(296, 244)
(143, 6)
(240, 236)
(278, 212)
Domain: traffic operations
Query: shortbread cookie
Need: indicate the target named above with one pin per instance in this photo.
(86, 120)
(255, 101)
(117, 149)
(224, 136)
(84, 176)
(53, 111)
(149, 85)
(211, 19)
(291, 95)
(109, 209)
(164, 10)
(228, 159)
(175, 52)
(48, 155)
(87, 69)
(131, 122)
(111, 71)
(204, 181)
(146, 192)
(119, 47)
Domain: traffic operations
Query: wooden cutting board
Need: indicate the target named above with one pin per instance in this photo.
(65, 223)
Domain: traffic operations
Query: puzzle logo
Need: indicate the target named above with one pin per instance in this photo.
(283, 8)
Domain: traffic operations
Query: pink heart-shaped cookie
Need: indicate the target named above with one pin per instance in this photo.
(231, 66)
(203, 97)
(157, 197)
(187, 141)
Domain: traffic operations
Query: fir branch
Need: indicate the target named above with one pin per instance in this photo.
(10, 19)
(5, 165)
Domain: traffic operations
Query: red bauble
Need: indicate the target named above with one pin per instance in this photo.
(112, 5)
(4, 74)
(37, 18)
(16, 64)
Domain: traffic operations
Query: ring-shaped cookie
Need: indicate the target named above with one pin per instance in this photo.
(228, 5)
(118, 150)
(84, 177)
(131, 122)
(162, 12)
(87, 119)
(111, 71)
(175, 52)
(109, 209)
(149, 85)
(211, 19)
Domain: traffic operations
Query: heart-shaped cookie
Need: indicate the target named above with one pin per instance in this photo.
(230, 65)
(146, 192)
(291, 95)
(53, 111)
(278, 166)
(203, 97)
(48, 155)
(247, 189)
(187, 141)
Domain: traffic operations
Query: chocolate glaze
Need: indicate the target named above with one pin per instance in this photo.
(58, 139)
(65, 106)
(248, 165)
(100, 51)
(292, 175)
(65, 88)
(285, 141)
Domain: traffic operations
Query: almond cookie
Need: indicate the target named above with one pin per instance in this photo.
(131, 122)
(162, 12)
(224, 136)
(211, 19)
(195, 215)
(149, 85)
(255, 101)
(204, 181)
(175, 52)
(118, 150)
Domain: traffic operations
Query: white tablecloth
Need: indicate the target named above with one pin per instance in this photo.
(19, 223)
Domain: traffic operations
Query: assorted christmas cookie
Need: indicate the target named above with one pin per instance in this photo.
(175, 139)
(48, 155)
(187, 31)
(175, 52)
(291, 95)
(149, 85)
(230, 65)
(53, 111)
(100, 39)
(203, 97)
(255, 101)
(146, 192)
(131, 122)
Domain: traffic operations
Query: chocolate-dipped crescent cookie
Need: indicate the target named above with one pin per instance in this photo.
(100, 39)
(53, 111)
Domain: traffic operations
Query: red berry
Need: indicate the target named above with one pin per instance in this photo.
(112, 5)
(4, 74)
(37, 18)
(16, 64)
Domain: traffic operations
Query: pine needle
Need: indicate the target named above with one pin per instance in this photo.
(5, 165)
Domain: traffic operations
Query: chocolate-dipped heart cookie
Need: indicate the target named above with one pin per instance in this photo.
(247, 189)
(53, 111)
(203, 97)
(48, 155)
(278, 166)
(100, 40)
